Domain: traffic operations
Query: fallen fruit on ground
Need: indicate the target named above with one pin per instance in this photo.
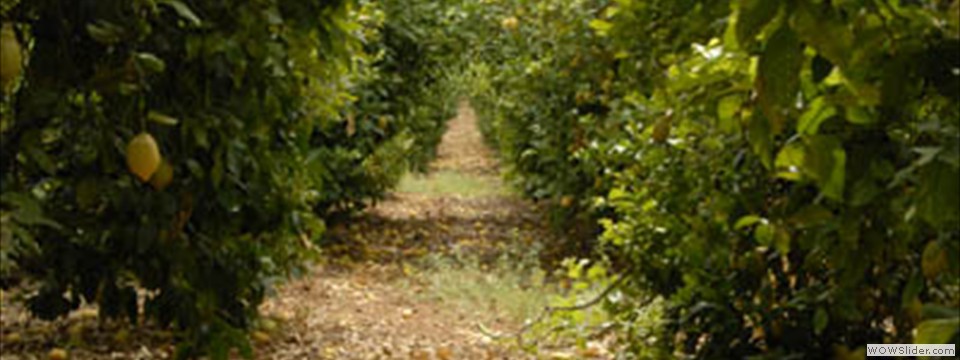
(13, 338)
(260, 337)
(510, 23)
(57, 354)
(268, 325)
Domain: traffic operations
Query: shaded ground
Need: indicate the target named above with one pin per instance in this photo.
(410, 279)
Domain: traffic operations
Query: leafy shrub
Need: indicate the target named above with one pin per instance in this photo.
(401, 103)
(221, 87)
(272, 114)
(784, 173)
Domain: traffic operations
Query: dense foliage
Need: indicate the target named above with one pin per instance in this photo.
(270, 115)
(785, 174)
(400, 101)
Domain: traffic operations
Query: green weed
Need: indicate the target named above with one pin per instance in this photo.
(452, 183)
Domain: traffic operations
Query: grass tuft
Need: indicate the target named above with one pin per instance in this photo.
(443, 183)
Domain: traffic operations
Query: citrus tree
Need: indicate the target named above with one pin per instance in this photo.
(182, 154)
(834, 223)
(784, 174)
(400, 99)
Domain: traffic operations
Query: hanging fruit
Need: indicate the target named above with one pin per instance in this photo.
(143, 156)
(163, 177)
(11, 56)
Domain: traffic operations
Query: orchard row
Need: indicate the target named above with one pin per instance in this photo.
(187, 153)
(784, 174)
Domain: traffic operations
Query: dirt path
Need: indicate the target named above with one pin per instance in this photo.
(409, 279)
(462, 148)
(373, 301)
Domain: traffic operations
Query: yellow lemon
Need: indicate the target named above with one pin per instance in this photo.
(260, 337)
(143, 156)
(58, 354)
(11, 57)
(163, 177)
(510, 23)
(268, 325)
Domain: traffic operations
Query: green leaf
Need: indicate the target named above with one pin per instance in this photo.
(927, 154)
(936, 311)
(600, 26)
(105, 32)
(151, 62)
(28, 210)
(32, 144)
(939, 196)
(764, 234)
(790, 160)
(42, 159)
(781, 240)
(752, 16)
(727, 109)
(761, 140)
(161, 119)
(746, 221)
(859, 115)
(863, 192)
(820, 320)
(195, 168)
(183, 10)
(825, 161)
(816, 114)
(938, 331)
(912, 289)
(778, 77)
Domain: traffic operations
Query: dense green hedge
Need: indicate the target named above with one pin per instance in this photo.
(785, 173)
(399, 103)
(272, 114)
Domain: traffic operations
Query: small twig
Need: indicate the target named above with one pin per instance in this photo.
(549, 311)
